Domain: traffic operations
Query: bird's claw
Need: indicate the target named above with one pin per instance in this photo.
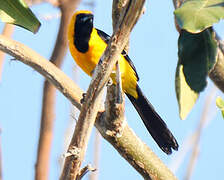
(83, 98)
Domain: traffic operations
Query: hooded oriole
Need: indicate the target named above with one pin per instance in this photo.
(86, 45)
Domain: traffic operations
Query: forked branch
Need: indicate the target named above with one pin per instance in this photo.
(128, 145)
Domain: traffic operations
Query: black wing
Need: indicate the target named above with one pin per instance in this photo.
(105, 37)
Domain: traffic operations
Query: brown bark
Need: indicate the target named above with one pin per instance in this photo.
(94, 175)
(48, 102)
(128, 145)
(78, 145)
(216, 74)
(7, 31)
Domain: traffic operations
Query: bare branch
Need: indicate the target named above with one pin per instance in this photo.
(93, 98)
(198, 133)
(115, 96)
(48, 102)
(26, 55)
(177, 3)
(114, 112)
(135, 152)
(7, 31)
(84, 171)
(97, 142)
(216, 74)
(117, 13)
(128, 145)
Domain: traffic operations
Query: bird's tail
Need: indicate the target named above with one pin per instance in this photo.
(154, 123)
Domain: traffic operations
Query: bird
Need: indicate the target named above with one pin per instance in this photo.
(86, 45)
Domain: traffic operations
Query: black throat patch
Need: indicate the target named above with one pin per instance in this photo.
(83, 30)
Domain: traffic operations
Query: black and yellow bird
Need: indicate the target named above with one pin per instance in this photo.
(86, 45)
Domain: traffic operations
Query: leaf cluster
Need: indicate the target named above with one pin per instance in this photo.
(197, 49)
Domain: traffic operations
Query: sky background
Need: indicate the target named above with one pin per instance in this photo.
(153, 49)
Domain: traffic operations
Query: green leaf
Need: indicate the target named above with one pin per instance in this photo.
(196, 15)
(197, 53)
(220, 105)
(18, 13)
(185, 95)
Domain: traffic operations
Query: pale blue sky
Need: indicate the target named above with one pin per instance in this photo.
(153, 49)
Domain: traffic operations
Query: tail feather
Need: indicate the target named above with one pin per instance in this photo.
(154, 123)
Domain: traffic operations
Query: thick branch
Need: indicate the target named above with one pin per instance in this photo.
(135, 152)
(115, 96)
(74, 94)
(117, 13)
(217, 72)
(92, 101)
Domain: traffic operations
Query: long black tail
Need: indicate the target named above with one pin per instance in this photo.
(154, 123)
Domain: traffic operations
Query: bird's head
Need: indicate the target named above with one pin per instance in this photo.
(81, 23)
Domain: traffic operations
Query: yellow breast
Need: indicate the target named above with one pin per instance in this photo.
(87, 61)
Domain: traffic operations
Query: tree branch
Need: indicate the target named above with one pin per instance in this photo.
(152, 166)
(198, 133)
(135, 152)
(48, 102)
(91, 104)
(94, 175)
(60, 80)
(84, 171)
(7, 31)
(217, 72)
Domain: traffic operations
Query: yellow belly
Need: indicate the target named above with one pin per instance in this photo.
(88, 61)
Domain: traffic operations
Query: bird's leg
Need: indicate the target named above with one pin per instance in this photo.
(109, 82)
(83, 98)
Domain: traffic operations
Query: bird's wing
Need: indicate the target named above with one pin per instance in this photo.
(105, 37)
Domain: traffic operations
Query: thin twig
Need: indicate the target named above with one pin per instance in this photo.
(84, 171)
(97, 142)
(48, 102)
(189, 141)
(179, 157)
(72, 120)
(198, 131)
(26, 55)
(7, 31)
(128, 145)
(177, 3)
